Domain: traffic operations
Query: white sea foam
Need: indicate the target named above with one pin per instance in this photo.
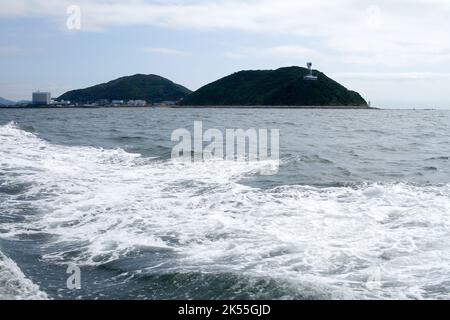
(375, 241)
(14, 285)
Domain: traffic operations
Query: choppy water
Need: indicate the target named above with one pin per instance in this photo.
(359, 209)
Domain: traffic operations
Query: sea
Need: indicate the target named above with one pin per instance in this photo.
(359, 208)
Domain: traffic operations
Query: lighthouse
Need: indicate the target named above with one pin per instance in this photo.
(310, 76)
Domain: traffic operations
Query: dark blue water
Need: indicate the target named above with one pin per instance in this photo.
(358, 209)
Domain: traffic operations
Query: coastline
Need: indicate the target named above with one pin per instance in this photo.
(278, 107)
(197, 107)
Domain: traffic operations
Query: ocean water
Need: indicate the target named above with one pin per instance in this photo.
(360, 208)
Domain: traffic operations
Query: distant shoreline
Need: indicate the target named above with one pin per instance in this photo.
(196, 107)
(277, 107)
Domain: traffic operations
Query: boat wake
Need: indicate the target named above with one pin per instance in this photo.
(14, 285)
(100, 206)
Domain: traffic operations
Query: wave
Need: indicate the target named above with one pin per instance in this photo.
(14, 285)
(370, 241)
(438, 158)
(306, 159)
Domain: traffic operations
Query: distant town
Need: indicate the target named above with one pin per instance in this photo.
(44, 99)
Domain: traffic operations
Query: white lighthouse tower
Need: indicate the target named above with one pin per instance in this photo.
(310, 76)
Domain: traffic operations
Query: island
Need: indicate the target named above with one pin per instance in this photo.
(284, 87)
(151, 88)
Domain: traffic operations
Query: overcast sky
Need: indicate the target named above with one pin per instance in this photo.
(395, 53)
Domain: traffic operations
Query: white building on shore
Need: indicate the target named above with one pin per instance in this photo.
(137, 103)
(41, 98)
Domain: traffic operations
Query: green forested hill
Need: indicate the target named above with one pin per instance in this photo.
(151, 88)
(282, 87)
